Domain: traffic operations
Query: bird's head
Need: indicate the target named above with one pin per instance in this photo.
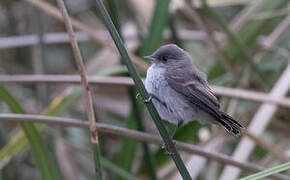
(169, 54)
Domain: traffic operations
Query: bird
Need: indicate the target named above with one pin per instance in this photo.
(180, 91)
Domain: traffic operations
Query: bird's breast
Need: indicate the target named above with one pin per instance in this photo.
(155, 79)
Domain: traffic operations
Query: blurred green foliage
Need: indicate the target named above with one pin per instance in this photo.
(123, 159)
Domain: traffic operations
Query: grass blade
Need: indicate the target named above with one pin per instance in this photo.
(148, 160)
(43, 158)
(268, 172)
(157, 25)
(141, 89)
(19, 141)
(113, 11)
(128, 147)
(117, 170)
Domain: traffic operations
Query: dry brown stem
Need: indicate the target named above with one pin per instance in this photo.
(82, 72)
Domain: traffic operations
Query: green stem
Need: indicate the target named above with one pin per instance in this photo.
(128, 145)
(112, 8)
(148, 161)
(141, 89)
(97, 160)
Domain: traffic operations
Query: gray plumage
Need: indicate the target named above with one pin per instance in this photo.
(180, 91)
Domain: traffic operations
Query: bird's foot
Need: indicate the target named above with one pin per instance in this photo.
(151, 96)
(148, 99)
(166, 149)
(137, 95)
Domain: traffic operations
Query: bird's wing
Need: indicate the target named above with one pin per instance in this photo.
(194, 87)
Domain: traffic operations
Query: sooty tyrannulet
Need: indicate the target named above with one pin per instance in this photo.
(180, 92)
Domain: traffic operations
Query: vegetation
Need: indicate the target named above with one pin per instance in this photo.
(44, 134)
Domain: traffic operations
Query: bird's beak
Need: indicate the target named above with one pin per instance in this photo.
(150, 58)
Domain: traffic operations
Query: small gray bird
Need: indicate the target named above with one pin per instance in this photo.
(180, 92)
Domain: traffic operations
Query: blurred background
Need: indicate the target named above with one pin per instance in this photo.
(242, 45)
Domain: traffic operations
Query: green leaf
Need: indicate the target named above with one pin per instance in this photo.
(148, 162)
(268, 172)
(157, 25)
(43, 158)
(128, 147)
(19, 141)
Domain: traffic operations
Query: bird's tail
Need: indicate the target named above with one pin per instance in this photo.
(230, 124)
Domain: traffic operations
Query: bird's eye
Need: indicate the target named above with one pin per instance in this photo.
(164, 58)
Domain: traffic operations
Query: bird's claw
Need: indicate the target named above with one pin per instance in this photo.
(137, 95)
(146, 100)
(149, 99)
(167, 151)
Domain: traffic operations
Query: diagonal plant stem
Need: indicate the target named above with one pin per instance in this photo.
(128, 150)
(268, 172)
(141, 89)
(87, 91)
(82, 71)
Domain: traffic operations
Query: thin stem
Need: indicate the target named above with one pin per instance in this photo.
(141, 89)
(135, 118)
(128, 146)
(87, 91)
(82, 72)
(148, 161)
